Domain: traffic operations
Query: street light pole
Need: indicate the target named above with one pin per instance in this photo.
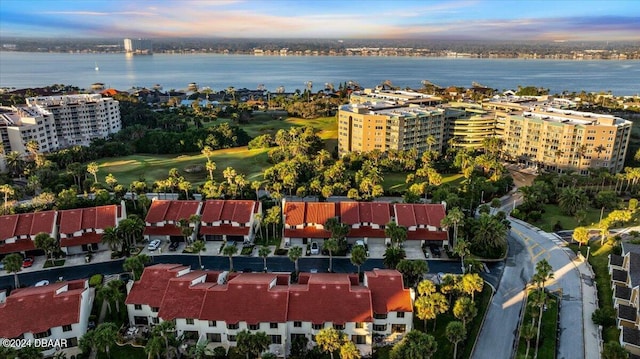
(588, 250)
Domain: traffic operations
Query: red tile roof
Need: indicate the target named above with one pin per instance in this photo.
(76, 220)
(26, 224)
(166, 211)
(230, 210)
(151, 287)
(21, 245)
(408, 215)
(37, 309)
(294, 213)
(238, 300)
(425, 234)
(224, 229)
(85, 238)
(319, 298)
(166, 230)
(329, 297)
(319, 212)
(366, 231)
(306, 232)
(365, 212)
(387, 291)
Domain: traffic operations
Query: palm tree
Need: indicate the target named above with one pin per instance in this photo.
(456, 332)
(581, 235)
(211, 166)
(528, 331)
(230, 250)
(135, 265)
(331, 245)
(111, 237)
(349, 350)
(48, 244)
(200, 350)
(14, 162)
(185, 186)
(264, 252)
(572, 200)
(393, 256)
(471, 283)
(448, 285)
(599, 149)
(294, 254)
(154, 347)
(329, 340)
(463, 249)
(358, 256)
(105, 337)
(453, 218)
(415, 345)
(538, 299)
(465, 310)
(8, 191)
(397, 234)
(92, 168)
(426, 287)
(198, 247)
(13, 264)
(544, 272)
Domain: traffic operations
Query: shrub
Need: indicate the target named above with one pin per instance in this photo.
(604, 317)
(557, 227)
(95, 280)
(281, 252)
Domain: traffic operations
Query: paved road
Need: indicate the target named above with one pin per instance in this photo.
(275, 264)
(496, 338)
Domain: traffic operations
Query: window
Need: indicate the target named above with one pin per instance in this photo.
(233, 326)
(379, 316)
(254, 326)
(398, 328)
(317, 326)
(338, 326)
(379, 327)
(155, 309)
(273, 325)
(359, 325)
(231, 338)
(42, 334)
(67, 328)
(276, 339)
(297, 324)
(190, 321)
(359, 339)
(213, 323)
(400, 315)
(137, 306)
(155, 320)
(214, 337)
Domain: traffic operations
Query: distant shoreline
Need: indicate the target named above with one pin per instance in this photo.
(558, 57)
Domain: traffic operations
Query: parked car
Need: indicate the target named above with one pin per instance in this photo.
(1, 265)
(360, 242)
(174, 246)
(315, 249)
(42, 283)
(436, 251)
(27, 262)
(154, 244)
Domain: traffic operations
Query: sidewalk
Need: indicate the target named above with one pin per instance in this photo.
(592, 335)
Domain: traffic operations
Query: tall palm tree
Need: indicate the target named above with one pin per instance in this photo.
(528, 332)
(331, 245)
(471, 283)
(198, 247)
(112, 237)
(264, 252)
(92, 168)
(538, 299)
(465, 309)
(463, 249)
(455, 332)
(105, 337)
(230, 250)
(294, 254)
(358, 256)
(8, 191)
(13, 264)
(47, 243)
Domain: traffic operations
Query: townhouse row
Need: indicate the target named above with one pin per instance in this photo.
(215, 306)
(625, 282)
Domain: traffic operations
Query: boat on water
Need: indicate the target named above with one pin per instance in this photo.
(97, 68)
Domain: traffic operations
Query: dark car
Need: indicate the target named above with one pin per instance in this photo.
(435, 250)
(174, 246)
(27, 262)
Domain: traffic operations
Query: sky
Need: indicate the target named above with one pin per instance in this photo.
(549, 20)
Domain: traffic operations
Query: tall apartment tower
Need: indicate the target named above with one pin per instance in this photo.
(138, 46)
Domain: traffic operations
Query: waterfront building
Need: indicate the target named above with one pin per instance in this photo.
(217, 305)
(560, 139)
(138, 46)
(467, 125)
(57, 313)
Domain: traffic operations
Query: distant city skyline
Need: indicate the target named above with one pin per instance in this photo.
(560, 20)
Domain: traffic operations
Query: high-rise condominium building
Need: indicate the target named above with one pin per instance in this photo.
(56, 122)
(138, 46)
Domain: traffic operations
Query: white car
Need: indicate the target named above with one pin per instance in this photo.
(315, 249)
(360, 242)
(42, 283)
(155, 244)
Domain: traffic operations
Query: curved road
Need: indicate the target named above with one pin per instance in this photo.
(527, 246)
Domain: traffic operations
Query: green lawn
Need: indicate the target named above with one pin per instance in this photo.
(154, 167)
(250, 162)
(552, 214)
(395, 181)
(548, 332)
(599, 260)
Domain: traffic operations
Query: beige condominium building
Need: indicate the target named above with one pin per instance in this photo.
(467, 125)
(380, 126)
(559, 139)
